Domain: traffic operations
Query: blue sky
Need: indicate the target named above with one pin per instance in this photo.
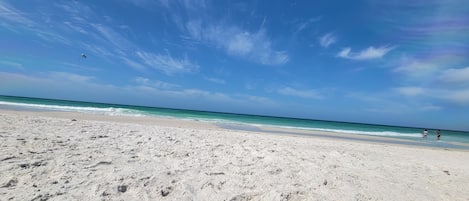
(385, 62)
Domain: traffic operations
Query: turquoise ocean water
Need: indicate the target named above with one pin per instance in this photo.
(393, 134)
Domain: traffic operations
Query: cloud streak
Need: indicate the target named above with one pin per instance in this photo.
(215, 80)
(144, 91)
(410, 91)
(308, 94)
(416, 68)
(456, 76)
(452, 85)
(366, 54)
(20, 21)
(457, 96)
(16, 65)
(327, 40)
(11, 14)
(102, 40)
(254, 46)
(110, 35)
(304, 25)
(155, 83)
(167, 64)
(70, 77)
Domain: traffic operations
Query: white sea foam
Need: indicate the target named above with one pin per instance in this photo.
(355, 132)
(374, 133)
(112, 111)
(95, 110)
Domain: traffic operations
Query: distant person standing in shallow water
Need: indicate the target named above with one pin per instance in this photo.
(425, 133)
(438, 135)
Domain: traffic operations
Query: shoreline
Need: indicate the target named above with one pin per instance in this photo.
(268, 130)
(76, 156)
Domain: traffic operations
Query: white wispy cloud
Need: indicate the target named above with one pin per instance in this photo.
(327, 39)
(167, 63)
(215, 80)
(430, 108)
(98, 50)
(303, 25)
(421, 94)
(114, 37)
(457, 96)
(110, 44)
(430, 81)
(254, 46)
(76, 9)
(299, 93)
(455, 75)
(164, 2)
(145, 91)
(444, 23)
(201, 28)
(134, 64)
(10, 13)
(366, 54)
(18, 21)
(39, 22)
(155, 83)
(51, 36)
(195, 5)
(76, 28)
(241, 44)
(254, 99)
(393, 103)
(416, 68)
(70, 76)
(146, 3)
(80, 67)
(452, 85)
(411, 91)
(11, 64)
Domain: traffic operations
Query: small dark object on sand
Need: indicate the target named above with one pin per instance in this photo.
(165, 192)
(105, 193)
(24, 165)
(122, 188)
(8, 158)
(10, 183)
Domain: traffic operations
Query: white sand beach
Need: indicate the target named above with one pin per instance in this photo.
(75, 156)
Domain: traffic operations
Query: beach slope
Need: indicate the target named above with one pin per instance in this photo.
(71, 156)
